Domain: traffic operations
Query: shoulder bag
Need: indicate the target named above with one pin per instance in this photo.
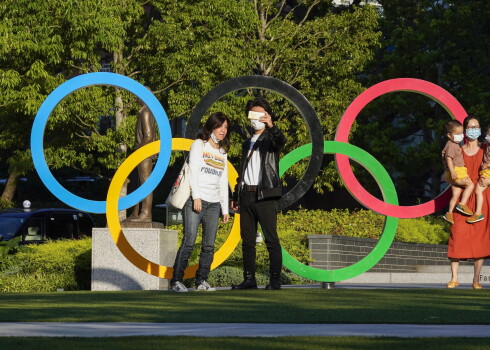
(181, 189)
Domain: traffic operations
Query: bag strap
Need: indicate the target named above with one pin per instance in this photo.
(188, 153)
(255, 146)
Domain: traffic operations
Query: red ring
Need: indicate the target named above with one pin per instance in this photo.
(435, 92)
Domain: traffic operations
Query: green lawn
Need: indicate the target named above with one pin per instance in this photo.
(421, 306)
(282, 343)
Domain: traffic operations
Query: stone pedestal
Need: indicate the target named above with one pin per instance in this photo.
(112, 271)
(141, 224)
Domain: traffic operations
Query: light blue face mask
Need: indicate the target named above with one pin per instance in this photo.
(473, 134)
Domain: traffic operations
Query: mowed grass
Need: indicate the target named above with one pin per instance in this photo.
(309, 305)
(281, 343)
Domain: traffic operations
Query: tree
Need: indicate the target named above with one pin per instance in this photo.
(446, 43)
(307, 44)
(45, 43)
(181, 49)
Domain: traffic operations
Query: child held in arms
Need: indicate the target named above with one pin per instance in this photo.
(455, 172)
(483, 183)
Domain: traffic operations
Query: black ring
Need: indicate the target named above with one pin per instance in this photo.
(296, 98)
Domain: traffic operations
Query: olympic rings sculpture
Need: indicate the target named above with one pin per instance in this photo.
(315, 150)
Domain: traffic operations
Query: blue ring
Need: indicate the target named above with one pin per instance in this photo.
(100, 78)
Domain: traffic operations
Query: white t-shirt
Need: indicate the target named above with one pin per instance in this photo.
(209, 174)
(253, 171)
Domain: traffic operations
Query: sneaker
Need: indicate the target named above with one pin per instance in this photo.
(448, 217)
(475, 218)
(205, 287)
(463, 208)
(178, 287)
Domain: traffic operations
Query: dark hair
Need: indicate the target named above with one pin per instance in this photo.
(214, 121)
(467, 120)
(450, 125)
(258, 102)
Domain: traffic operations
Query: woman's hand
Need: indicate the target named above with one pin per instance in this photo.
(226, 217)
(197, 205)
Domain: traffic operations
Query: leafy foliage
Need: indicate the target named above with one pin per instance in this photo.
(8, 249)
(446, 43)
(226, 276)
(66, 264)
(5, 204)
(294, 227)
(44, 268)
(181, 49)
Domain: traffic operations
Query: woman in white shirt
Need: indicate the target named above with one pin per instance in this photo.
(209, 196)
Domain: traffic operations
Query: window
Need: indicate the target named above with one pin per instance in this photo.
(9, 226)
(34, 230)
(61, 225)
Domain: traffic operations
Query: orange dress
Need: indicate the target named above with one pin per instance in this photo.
(469, 241)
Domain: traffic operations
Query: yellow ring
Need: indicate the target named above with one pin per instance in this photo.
(178, 144)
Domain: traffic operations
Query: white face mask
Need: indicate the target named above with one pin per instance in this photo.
(487, 138)
(214, 138)
(458, 138)
(257, 125)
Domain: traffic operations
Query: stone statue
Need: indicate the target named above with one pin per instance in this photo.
(145, 134)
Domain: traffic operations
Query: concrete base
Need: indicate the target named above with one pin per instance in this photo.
(142, 224)
(415, 277)
(112, 271)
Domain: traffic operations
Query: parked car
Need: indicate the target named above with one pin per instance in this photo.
(42, 224)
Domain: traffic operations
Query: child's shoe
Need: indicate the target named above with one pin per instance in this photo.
(475, 218)
(448, 217)
(463, 208)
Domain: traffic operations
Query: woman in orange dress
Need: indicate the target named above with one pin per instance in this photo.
(470, 241)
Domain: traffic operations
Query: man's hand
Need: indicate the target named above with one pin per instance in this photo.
(234, 205)
(197, 205)
(226, 217)
(267, 119)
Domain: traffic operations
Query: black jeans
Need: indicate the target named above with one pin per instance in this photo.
(264, 212)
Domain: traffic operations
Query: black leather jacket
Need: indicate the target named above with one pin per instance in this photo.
(270, 143)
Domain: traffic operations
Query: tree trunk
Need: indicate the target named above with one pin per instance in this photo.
(10, 187)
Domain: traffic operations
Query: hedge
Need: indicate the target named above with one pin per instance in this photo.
(46, 267)
(67, 263)
(295, 226)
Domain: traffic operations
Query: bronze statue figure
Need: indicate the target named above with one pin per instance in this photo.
(145, 134)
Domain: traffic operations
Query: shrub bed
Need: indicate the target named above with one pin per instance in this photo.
(46, 267)
(67, 264)
(295, 226)
(226, 276)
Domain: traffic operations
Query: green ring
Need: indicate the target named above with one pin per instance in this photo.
(389, 195)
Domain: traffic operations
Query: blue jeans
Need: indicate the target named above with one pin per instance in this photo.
(209, 217)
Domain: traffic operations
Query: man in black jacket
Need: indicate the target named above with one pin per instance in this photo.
(257, 191)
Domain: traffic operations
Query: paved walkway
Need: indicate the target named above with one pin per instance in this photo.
(98, 329)
(112, 329)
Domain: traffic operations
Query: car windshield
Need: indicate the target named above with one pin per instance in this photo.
(9, 226)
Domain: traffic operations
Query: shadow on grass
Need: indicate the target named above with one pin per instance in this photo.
(307, 343)
(257, 306)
